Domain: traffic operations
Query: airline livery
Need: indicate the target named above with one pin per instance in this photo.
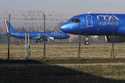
(95, 24)
(35, 35)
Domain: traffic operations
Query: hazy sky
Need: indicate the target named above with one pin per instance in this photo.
(69, 7)
(64, 5)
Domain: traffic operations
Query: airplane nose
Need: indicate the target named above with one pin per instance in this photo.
(70, 27)
(64, 28)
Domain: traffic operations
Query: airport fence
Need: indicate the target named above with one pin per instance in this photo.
(29, 21)
(54, 49)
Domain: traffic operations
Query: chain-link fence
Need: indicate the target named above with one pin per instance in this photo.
(62, 50)
(74, 47)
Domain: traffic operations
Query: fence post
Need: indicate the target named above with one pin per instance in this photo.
(44, 41)
(27, 45)
(79, 46)
(29, 49)
(8, 46)
(113, 50)
(8, 36)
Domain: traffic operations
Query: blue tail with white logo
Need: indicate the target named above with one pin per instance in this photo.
(34, 35)
(9, 27)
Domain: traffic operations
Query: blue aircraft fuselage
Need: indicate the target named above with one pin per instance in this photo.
(21, 35)
(35, 35)
(95, 24)
(39, 35)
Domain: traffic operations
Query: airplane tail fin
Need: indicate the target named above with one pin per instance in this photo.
(8, 26)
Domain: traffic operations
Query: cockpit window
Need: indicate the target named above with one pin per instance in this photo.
(75, 20)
